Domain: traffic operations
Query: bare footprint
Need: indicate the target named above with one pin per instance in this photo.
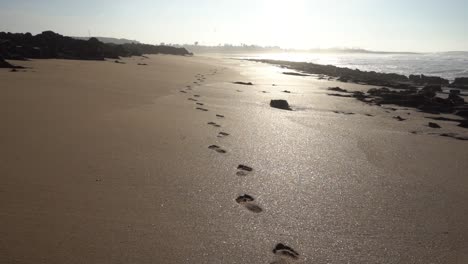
(214, 124)
(243, 170)
(191, 99)
(249, 202)
(222, 134)
(183, 91)
(196, 95)
(221, 116)
(202, 109)
(200, 104)
(284, 254)
(217, 149)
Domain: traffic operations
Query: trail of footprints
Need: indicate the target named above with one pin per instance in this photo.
(283, 254)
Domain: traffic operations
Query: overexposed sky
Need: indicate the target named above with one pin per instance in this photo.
(397, 25)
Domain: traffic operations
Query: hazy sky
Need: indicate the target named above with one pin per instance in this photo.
(403, 25)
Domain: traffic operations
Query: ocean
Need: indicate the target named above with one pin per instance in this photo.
(449, 65)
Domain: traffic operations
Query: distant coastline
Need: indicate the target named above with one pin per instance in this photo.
(50, 45)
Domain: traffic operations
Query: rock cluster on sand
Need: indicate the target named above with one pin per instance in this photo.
(52, 45)
(424, 99)
(280, 104)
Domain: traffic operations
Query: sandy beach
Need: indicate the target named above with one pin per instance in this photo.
(125, 163)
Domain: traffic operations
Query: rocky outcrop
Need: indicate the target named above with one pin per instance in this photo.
(52, 45)
(357, 76)
(428, 80)
(461, 83)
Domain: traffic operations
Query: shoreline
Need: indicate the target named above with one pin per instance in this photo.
(343, 74)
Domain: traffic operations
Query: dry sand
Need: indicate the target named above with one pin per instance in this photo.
(110, 163)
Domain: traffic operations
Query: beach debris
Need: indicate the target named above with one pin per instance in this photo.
(433, 125)
(280, 104)
(243, 83)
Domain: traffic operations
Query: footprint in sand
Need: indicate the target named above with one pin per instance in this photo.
(183, 91)
(202, 109)
(200, 104)
(243, 170)
(214, 124)
(196, 95)
(220, 116)
(217, 149)
(284, 254)
(191, 99)
(249, 202)
(222, 134)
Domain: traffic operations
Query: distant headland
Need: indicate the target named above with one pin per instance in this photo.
(50, 45)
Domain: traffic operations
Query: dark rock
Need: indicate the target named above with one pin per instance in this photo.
(443, 119)
(428, 80)
(434, 125)
(432, 88)
(399, 118)
(461, 83)
(463, 124)
(295, 74)
(463, 113)
(337, 89)
(455, 92)
(453, 135)
(340, 95)
(243, 83)
(280, 104)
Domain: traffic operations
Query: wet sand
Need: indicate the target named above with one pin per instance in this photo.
(123, 163)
